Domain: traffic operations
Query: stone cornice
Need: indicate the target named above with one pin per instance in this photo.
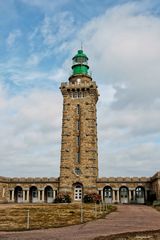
(29, 180)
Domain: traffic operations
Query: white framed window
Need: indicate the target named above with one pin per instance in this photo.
(78, 192)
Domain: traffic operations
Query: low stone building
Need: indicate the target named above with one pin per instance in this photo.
(79, 155)
(112, 190)
(25, 190)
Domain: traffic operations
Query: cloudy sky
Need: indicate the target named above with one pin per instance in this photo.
(37, 41)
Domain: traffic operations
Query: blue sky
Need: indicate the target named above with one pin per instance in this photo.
(37, 42)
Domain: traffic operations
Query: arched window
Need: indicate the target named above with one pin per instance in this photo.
(107, 192)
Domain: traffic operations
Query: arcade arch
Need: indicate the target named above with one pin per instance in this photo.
(48, 194)
(140, 195)
(123, 194)
(18, 194)
(107, 194)
(33, 194)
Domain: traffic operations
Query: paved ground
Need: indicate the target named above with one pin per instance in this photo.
(128, 218)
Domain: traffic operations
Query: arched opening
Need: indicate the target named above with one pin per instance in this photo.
(48, 194)
(123, 195)
(140, 195)
(78, 191)
(107, 194)
(18, 194)
(33, 194)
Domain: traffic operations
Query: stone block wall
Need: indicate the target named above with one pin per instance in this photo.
(79, 157)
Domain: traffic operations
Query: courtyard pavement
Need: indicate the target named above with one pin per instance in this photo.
(127, 218)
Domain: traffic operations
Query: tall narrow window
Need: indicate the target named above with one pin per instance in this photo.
(78, 140)
(78, 109)
(78, 125)
(78, 157)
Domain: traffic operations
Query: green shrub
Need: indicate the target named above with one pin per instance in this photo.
(92, 198)
(156, 203)
(62, 198)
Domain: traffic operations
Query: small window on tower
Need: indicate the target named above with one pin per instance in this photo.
(77, 171)
(78, 80)
(75, 94)
(71, 94)
(79, 94)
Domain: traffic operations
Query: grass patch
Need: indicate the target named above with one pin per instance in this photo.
(14, 218)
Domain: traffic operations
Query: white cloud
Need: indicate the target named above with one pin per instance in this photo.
(58, 76)
(124, 50)
(135, 160)
(126, 44)
(12, 37)
(30, 133)
(27, 72)
(3, 102)
(53, 33)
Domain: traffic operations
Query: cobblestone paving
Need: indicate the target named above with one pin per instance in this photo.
(127, 218)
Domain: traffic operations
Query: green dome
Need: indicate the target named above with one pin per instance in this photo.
(80, 63)
(80, 54)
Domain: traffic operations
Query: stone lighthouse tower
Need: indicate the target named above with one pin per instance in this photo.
(79, 156)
